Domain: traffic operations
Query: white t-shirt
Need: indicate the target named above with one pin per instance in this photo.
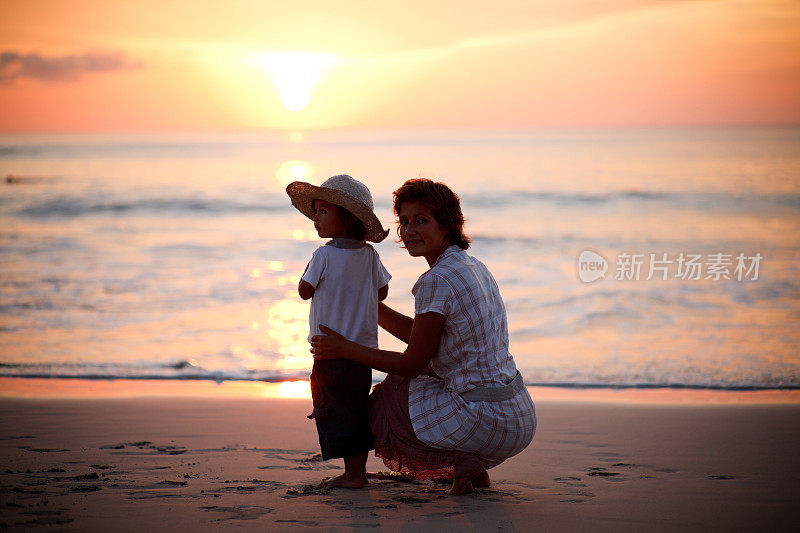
(346, 283)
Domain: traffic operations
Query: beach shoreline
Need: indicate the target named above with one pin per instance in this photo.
(189, 461)
(76, 388)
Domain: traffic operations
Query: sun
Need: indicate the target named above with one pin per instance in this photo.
(295, 74)
(295, 97)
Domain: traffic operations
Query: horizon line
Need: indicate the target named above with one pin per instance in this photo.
(442, 129)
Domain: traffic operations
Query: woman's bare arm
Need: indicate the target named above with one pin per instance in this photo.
(395, 323)
(422, 346)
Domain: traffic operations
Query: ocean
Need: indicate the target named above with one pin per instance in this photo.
(660, 257)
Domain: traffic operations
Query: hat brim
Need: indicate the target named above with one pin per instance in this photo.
(303, 195)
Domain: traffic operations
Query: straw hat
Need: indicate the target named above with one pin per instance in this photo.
(343, 191)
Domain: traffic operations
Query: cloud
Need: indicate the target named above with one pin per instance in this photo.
(66, 68)
(549, 21)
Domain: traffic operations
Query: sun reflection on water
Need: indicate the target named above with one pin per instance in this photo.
(289, 279)
(294, 170)
(301, 235)
(287, 323)
(294, 389)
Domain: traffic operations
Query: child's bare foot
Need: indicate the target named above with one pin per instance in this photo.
(461, 486)
(345, 482)
(481, 481)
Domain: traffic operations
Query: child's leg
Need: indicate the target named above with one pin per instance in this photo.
(346, 431)
(355, 474)
(337, 409)
(364, 457)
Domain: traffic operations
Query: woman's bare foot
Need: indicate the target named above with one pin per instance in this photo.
(481, 481)
(345, 482)
(461, 486)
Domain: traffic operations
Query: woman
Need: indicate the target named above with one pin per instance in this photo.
(453, 404)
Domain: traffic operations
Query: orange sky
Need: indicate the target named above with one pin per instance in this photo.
(142, 65)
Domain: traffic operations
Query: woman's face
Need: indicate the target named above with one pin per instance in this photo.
(420, 232)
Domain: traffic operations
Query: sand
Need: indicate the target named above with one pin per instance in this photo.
(172, 463)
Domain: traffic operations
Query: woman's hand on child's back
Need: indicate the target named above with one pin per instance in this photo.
(332, 345)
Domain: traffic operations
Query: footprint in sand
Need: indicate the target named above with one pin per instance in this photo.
(304, 460)
(570, 481)
(573, 489)
(410, 499)
(598, 471)
(85, 488)
(659, 469)
(722, 477)
(43, 450)
(239, 512)
(307, 523)
(171, 483)
(148, 447)
(44, 518)
(306, 490)
(664, 469)
(258, 485)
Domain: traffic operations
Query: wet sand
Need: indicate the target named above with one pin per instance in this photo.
(202, 464)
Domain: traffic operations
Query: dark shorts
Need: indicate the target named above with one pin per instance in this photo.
(340, 390)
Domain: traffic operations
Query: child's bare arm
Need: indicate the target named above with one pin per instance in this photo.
(304, 288)
(423, 343)
(395, 323)
(383, 292)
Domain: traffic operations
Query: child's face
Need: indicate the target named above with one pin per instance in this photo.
(326, 220)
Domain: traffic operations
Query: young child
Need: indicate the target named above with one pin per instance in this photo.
(345, 280)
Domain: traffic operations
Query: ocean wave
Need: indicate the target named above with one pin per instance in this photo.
(177, 370)
(218, 378)
(770, 291)
(66, 206)
(70, 207)
(188, 370)
(122, 149)
(662, 385)
(695, 200)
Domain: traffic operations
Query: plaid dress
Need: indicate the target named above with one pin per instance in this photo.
(473, 351)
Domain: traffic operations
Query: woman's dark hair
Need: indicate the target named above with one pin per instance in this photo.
(353, 227)
(444, 204)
